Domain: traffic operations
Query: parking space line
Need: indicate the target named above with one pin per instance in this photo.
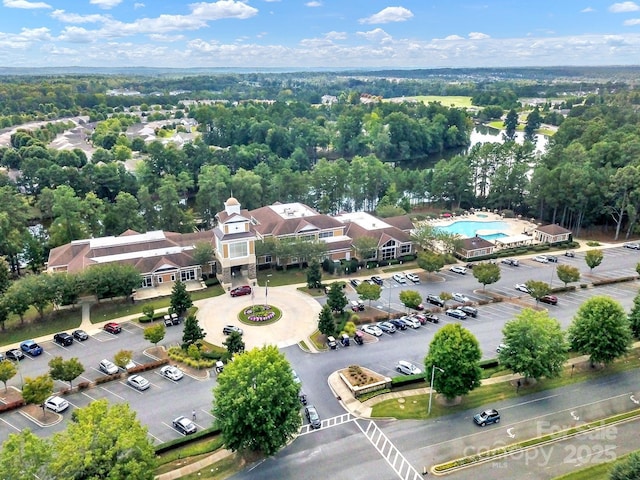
(154, 437)
(88, 396)
(10, 425)
(112, 393)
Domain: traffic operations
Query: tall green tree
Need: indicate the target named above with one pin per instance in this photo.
(26, 456)
(486, 273)
(122, 358)
(36, 390)
(430, 262)
(256, 403)
(326, 322)
(192, 333)
(234, 344)
(314, 275)
(7, 371)
(456, 351)
(203, 253)
(634, 317)
(568, 274)
(538, 289)
(366, 247)
(593, 258)
(336, 299)
(14, 215)
(369, 291)
(68, 222)
(601, 330)
(627, 468)
(511, 124)
(155, 333)
(537, 347)
(4, 275)
(65, 370)
(104, 441)
(180, 298)
(124, 214)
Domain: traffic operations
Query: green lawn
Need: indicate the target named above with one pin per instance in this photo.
(33, 326)
(415, 407)
(447, 101)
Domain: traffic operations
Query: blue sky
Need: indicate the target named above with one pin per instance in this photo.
(318, 33)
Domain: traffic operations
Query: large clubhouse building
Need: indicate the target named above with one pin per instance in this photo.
(163, 257)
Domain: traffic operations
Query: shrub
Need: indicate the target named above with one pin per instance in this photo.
(12, 405)
(593, 243)
(108, 378)
(148, 366)
(83, 385)
(401, 380)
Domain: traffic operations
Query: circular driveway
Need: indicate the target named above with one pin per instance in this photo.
(299, 317)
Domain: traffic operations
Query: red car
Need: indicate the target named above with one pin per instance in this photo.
(243, 290)
(550, 299)
(112, 327)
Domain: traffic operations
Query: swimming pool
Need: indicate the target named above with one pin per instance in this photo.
(468, 229)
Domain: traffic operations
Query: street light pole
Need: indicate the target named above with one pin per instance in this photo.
(389, 314)
(433, 374)
(266, 292)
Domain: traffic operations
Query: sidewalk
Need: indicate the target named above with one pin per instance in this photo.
(196, 466)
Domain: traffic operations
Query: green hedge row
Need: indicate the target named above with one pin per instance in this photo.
(179, 442)
(402, 380)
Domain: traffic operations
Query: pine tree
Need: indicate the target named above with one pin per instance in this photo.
(180, 298)
(326, 323)
(192, 332)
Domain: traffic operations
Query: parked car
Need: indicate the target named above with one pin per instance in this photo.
(378, 280)
(510, 261)
(431, 317)
(487, 417)
(459, 297)
(399, 324)
(456, 313)
(63, 338)
(356, 306)
(541, 259)
(552, 258)
(331, 342)
(80, 335)
(239, 291)
(420, 317)
(31, 347)
(407, 368)
(435, 300)
(369, 281)
(227, 329)
(413, 277)
(387, 327)
(108, 367)
(355, 282)
(570, 253)
(400, 278)
(458, 269)
(171, 320)
(632, 245)
(296, 378)
(358, 337)
(56, 404)
(138, 382)
(112, 327)
(522, 288)
(550, 299)
(410, 322)
(312, 416)
(371, 330)
(184, 425)
(470, 311)
(14, 354)
(419, 307)
(172, 372)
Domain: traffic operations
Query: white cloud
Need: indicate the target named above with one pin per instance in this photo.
(631, 22)
(313, 4)
(66, 17)
(478, 35)
(74, 34)
(25, 4)
(105, 4)
(376, 35)
(138, 5)
(587, 10)
(336, 35)
(222, 9)
(388, 15)
(39, 34)
(453, 37)
(624, 7)
(166, 38)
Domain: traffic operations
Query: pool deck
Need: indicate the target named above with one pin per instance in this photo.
(515, 226)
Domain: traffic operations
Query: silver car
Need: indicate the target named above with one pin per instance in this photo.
(372, 330)
(108, 367)
(138, 382)
(172, 372)
(407, 368)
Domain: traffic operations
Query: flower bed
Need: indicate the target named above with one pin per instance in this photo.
(260, 313)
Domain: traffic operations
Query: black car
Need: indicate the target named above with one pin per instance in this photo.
(355, 282)
(552, 258)
(471, 311)
(63, 338)
(184, 425)
(487, 417)
(15, 355)
(377, 279)
(435, 300)
(431, 318)
(456, 313)
(80, 335)
(399, 324)
(312, 416)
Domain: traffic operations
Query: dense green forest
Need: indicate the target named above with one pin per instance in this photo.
(348, 155)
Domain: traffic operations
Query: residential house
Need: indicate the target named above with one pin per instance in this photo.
(474, 247)
(553, 233)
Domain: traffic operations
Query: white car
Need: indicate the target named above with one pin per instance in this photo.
(413, 277)
(458, 297)
(372, 330)
(407, 368)
(400, 278)
(138, 382)
(108, 367)
(522, 288)
(411, 322)
(172, 372)
(541, 259)
(458, 269)
(56, 404)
